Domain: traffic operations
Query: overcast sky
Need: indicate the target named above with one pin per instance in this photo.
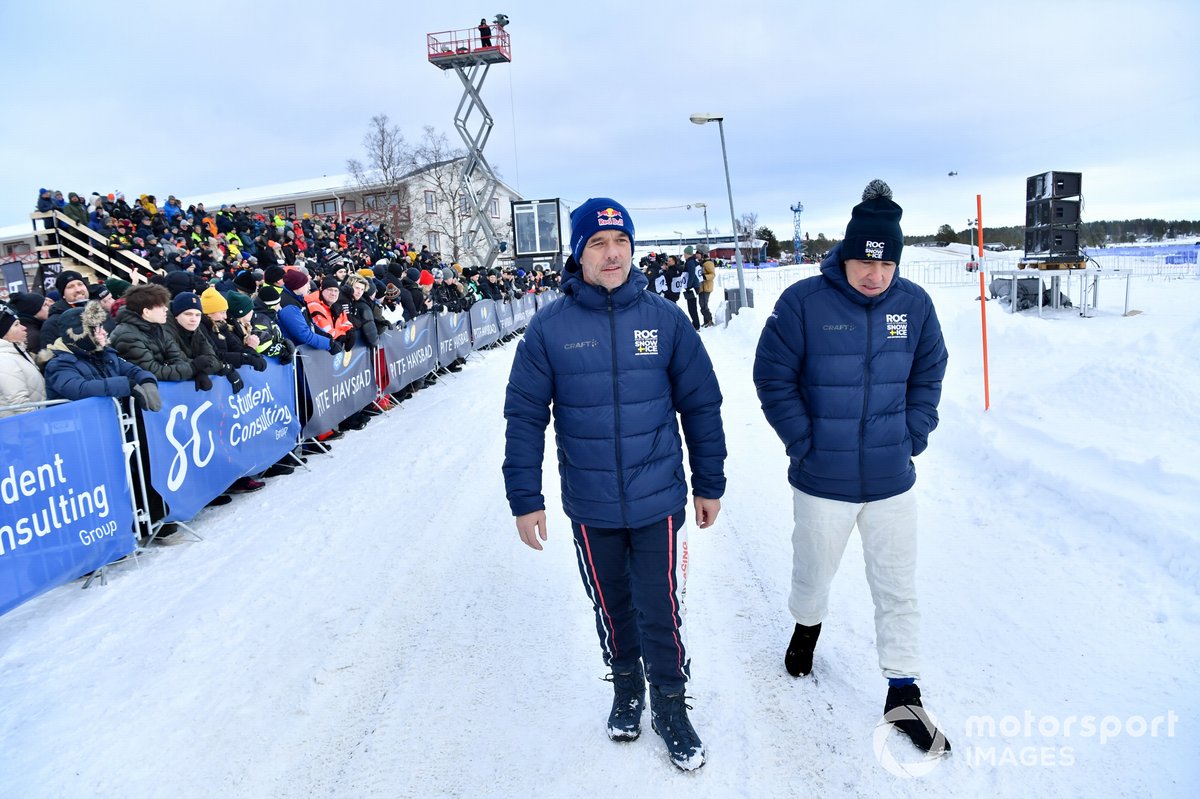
(818, 98)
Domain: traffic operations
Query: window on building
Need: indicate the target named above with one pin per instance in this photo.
(324, 207)
(349, 207)
(279, 210)
(434, 241)
(379, 202)
(19, 248)
(430, 203)
(494, 208)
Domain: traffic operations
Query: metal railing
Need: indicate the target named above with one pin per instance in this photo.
(954, 273)
(62, 237)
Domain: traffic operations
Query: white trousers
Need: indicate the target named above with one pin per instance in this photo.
(889, 537)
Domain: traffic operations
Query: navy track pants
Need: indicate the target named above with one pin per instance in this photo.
(636, 579)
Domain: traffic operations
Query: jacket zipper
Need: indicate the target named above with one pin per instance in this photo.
(862, 422)
(612, 325)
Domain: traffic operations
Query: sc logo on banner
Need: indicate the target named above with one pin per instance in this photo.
(177, 474)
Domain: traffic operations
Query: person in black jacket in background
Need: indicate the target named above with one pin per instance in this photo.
(233, 346)
(358, 310)
(676, 278)
(184, 325)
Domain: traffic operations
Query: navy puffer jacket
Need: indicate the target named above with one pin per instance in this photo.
(851, 383)
(617, 367)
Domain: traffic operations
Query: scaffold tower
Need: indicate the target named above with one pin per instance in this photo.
(470, 53)
(797, 247)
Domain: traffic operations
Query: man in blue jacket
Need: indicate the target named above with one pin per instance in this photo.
(849, 371)
(621, 366)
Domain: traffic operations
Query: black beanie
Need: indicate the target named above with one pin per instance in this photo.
(246, 282)
(8, 318)
(185, 301)
(874, 230)
(269, 295)
(64, 278)
(330, 282)
(273, 274)
(177, 282)
(26, 303)
(413, 274)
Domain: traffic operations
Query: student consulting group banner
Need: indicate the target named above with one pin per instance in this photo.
(66, 507)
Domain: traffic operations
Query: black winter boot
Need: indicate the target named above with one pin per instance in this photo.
(904, 710)
(669, 718)
(798, 660)
(629, 697)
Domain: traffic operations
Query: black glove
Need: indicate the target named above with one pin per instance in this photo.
(235, 380)
(289, 352)
(255, 361)
(145, 395)
(335, 346)
(350, 339)
(201, 366)
(203, 382)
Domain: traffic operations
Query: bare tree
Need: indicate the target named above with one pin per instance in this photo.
(435, 173)
(747, 224)
(379, 180)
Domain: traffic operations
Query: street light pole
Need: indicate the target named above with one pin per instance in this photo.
(704, 207)
(704, 119)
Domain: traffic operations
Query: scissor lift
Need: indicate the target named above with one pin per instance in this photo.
(464, 52)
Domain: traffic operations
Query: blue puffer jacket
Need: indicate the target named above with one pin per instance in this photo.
(294, 321)
(617, 367)
(851, 383)
(73, 374)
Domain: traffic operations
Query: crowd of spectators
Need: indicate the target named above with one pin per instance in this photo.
(230, 289)
(692, 277)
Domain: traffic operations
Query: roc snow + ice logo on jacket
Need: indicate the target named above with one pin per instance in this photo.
(897, 325)
(645, 342)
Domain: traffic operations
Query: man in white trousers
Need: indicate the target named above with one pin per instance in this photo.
(849, 372)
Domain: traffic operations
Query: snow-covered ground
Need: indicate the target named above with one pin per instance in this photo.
(373, 627)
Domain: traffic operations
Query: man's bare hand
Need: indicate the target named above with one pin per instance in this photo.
(706, 511)
(532, 526)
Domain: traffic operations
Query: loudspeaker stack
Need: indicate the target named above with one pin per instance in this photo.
(1052, 214)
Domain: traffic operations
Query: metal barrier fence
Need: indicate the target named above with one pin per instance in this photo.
(954, 273)
(69, 467)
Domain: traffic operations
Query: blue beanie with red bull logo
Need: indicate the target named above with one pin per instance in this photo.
(595, 215)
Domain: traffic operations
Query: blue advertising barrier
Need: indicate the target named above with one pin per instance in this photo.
(202, 441)
(336, 385)
(409, 352)
(524, 307)
(504, 318)
(67, 505)
(454, 337)
(546, 297)
(485, 324)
